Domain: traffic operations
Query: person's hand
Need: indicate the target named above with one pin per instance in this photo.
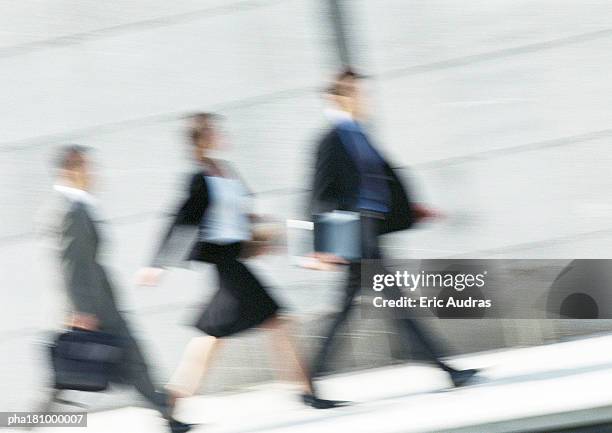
(262, 219)
(149, 276)
(88, 322)
(330, 258)
(423, 212)
(323, 262)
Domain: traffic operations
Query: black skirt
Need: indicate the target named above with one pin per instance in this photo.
(241, 302)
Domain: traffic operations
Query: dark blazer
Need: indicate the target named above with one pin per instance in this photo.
(89, 288)
(337, 180)
(180, 242)
(186, 219)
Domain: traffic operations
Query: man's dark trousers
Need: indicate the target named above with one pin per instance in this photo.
(370, 229)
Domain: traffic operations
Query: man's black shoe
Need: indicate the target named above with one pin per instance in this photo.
(463, 377)
(319, 403)
(179, 427)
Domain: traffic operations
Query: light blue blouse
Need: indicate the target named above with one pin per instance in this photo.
(226, 220)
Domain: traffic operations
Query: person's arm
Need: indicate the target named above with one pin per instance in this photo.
(325, 172)
(405, 211)
(324, 195)
(79, 258)
(189, 213)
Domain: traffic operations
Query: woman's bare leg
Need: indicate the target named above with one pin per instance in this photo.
(195, 362)
(286, 351)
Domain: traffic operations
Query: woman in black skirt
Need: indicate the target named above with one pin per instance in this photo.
(216, 205)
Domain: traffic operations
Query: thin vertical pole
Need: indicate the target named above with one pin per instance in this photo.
(338, 18)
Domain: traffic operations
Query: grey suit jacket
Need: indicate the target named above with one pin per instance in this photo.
(88, 287)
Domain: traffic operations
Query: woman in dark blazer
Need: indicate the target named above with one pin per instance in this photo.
(216, 205)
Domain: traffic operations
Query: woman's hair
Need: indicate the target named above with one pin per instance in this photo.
(201, 126)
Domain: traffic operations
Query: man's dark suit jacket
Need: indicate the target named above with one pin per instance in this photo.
(337, 182)
(89, 288)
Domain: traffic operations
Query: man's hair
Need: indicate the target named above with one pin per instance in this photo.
(201, 126)
(71, 156)
(340, 85)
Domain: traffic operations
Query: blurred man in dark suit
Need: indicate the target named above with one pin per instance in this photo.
(351, 175)
(89, 290)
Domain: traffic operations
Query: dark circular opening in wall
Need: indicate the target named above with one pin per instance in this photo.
(579, 306)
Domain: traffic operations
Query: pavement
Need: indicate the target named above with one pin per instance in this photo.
(547, 388)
